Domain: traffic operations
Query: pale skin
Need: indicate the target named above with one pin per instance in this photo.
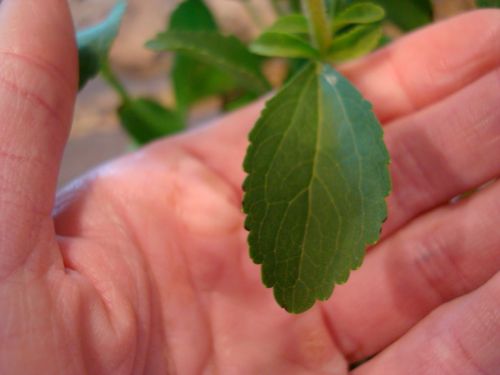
(142, 267)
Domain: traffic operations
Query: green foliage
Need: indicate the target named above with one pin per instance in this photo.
(287, 37)
(146, 120)
(194, 80)
(358, 14)
(192, 15)
(488, 3)
(283, 45)
(95, 42)
(408, 14)
(226, 52)
(356, 42)
(290, 24)
(316, 186)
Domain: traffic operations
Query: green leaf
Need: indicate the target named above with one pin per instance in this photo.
(488, 3)
(192, 15)
(146, 120)
(356, 42)
(226, 52)
(316, 186)
(357, 14)
(283, 45)
(95, 42)
(408, 14)
(290, 24)
(194, 80)
(237, 100)
(335, 6)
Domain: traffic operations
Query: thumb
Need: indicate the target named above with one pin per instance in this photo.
(38, 81)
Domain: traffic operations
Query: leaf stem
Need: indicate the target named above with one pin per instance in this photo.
(113, 81)
(319, 23)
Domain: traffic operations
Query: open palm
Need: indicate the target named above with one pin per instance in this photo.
(142, 268)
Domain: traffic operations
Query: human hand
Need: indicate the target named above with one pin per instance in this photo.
(143, 268)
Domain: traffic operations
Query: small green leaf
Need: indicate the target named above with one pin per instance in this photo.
(95, 42)
(290, 24)
(355, 43)
(282, 45)
(488, 3)
(316, 186)
(408, 14)
(226, 52)
(357, 14)
(192, 15)
(339, 5)
(146, 120)
(194, 80)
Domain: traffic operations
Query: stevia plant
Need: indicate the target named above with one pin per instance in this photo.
(317, 166)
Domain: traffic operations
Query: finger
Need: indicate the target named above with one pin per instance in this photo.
(440, 256)
(37, 89)
(444, 150)
(460, 338)
(429, 64)
(435, 62)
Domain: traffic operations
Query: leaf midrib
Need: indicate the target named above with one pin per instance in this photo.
(360, 174)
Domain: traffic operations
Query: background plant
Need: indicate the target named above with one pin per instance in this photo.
(317, 166)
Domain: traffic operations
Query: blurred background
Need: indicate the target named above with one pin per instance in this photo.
(96, 135)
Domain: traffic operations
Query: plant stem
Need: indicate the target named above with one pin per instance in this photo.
(113, 81)
(319, 23)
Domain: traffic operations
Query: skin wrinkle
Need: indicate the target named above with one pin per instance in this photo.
(57, 74)
(119, 212)
(478, 316)
(331, 329)
(465, 354)
(192, 152)
(125, 332)
(435, 263)
(31, 97)
(152, 285)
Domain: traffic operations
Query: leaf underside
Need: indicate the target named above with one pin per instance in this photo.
(316, 186)
(146, 120)
(194, 80)
(283, 45)
(226, 52)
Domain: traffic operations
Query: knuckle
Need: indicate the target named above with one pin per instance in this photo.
(436, 260)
